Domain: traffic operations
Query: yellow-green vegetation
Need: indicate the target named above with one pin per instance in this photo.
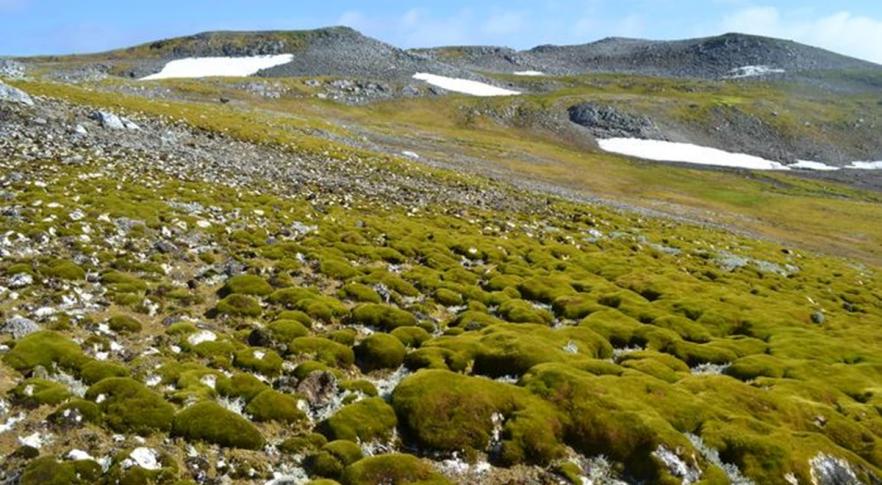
(395, 469)
(528, 334)
(366, 420)
(130, 407)
(209, 422)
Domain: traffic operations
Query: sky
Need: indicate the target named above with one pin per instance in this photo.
(30, 27)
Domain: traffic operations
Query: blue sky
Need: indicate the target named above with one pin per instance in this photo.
(62, 26)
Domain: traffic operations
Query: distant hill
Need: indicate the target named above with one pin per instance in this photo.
(711, 57)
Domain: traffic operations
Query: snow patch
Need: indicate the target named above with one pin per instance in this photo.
(666, 151)
(753, 71)
(474, 88)
(529, 73)
(866, 165)
(195, 67)
(809, 165)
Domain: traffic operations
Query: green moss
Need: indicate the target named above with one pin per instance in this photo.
(272, 405)
(520, 311)
(36, 392)
(345, 336)
(96, 370)
(86, 409)
(382, 316)
(392, 469)
(209, 422)
(323, 350)
(264, 361)
(236, 305)
(247, 284)
(130, 407)
(545, 289)
(332, 458)
(346, 451)
(359, 385)
(379, 351)
(301, 445)
(241, 385)
(287, 330)
(124, 324)
(65, 270)
(451, 412)
(44, 349)
(411, 337)
(448, 297)
(360, 292)
(366, 420)
(47, 471)
(180, 328)
(754, 366)
(295, 315)
(337, 269)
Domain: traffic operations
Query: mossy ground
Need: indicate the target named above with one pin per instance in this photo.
(529, 336)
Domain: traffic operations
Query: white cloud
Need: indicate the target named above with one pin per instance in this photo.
(842, 32)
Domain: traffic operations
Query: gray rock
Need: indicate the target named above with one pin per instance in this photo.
(11, 69)
(18, 327)
(20, 280)
(108, 120)
(114, 122)
(14, 95)
(818, 318)
(608, 122)
(829, 470)
(318, 387)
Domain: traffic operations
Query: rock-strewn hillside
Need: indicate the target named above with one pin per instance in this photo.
(712, 57)
(195, 298)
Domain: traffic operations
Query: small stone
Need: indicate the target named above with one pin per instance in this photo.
(818, 318)
(18, 327)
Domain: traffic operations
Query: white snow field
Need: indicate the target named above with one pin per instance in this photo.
(194, 67)
(528, 73)
(753, 71)
(809, 165)
(666, 151)
(866, 165)
(464, 86)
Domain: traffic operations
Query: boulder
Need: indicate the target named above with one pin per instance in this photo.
(14, 95)
(18, 327)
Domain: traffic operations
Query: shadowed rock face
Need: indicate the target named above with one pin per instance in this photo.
(608, 122)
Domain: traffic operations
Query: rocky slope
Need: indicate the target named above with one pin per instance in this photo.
(179, 305)
(709, 58)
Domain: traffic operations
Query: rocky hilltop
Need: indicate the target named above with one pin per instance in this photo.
(729, 55)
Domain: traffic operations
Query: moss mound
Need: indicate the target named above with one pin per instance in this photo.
(383, 317)
(209, 422)
(236, 305)
(452, 412)
(130, 407)
(45, 349)
(124, 324)
(247, 284)
(366, 420)
(379, 351)
(392, 469)
(36, 392)
(272, 405)
(323, 350)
